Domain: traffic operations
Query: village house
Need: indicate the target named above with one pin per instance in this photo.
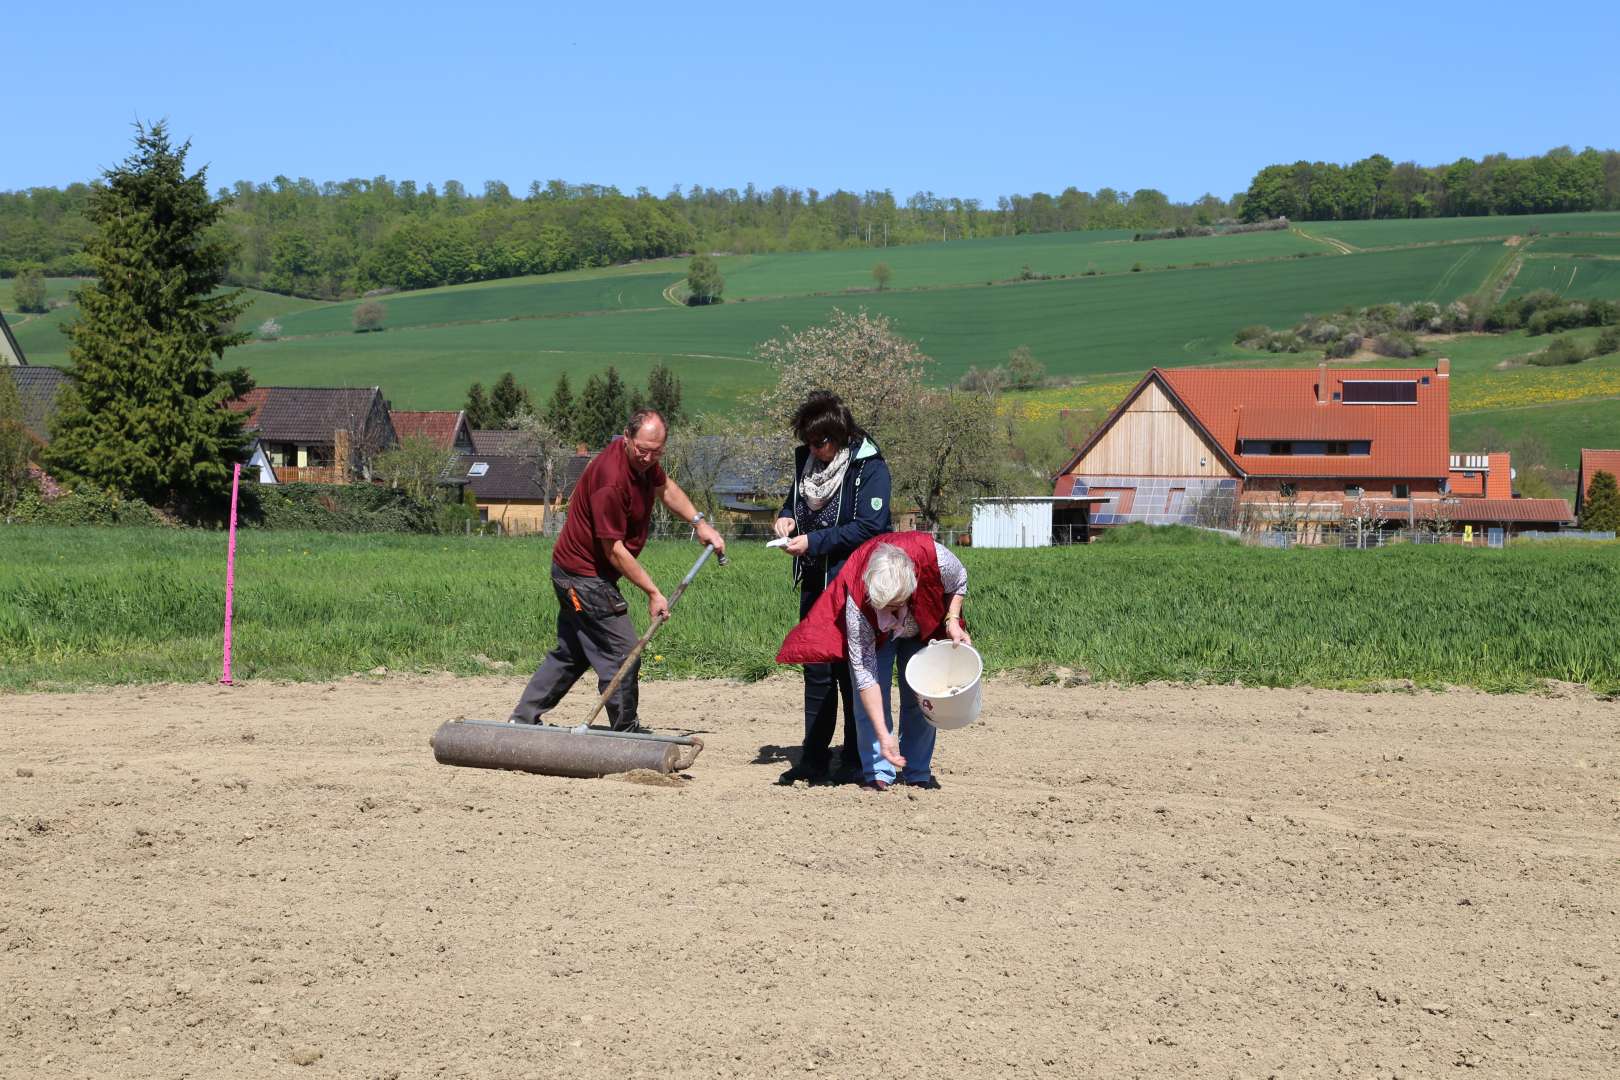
(10, 352)
(314, 434)
(446, 429)
(40, 388)
(1301, 451)
(512, 488)
(1592, 463)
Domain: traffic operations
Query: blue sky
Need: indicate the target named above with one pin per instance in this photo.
(973, 100)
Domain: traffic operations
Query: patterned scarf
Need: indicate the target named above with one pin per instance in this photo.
(818, 487)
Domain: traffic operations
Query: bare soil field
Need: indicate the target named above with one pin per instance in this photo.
(277, 880)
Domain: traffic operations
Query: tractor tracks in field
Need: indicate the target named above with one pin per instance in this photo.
(1337, 245)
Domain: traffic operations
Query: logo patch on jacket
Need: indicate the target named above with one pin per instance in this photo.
(877, 503)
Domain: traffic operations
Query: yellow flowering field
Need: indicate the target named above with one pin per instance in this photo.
(1535, 386)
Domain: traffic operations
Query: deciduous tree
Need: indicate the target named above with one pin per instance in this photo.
(369, 316)
(28, 290)
(415, 466)
(146, 416)
(946, 449)
(877, 372)
(704, 284)
(882, 275)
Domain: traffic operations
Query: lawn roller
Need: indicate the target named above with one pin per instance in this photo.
(582, 751)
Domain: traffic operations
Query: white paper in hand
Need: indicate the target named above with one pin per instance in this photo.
(780, 541)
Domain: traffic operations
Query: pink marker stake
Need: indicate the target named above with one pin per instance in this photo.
(230, 577)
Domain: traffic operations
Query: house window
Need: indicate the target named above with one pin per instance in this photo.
(1288, 491)
(1336, 449)
(1352, 491)
(319, 457)
(1402, 491)
(1280, 449)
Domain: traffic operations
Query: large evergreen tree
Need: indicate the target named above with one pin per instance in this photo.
(477, 408)
(604, 407)
(1600, 510)
(664, 394)
(509, 401)
(560, 408)
(147, 414)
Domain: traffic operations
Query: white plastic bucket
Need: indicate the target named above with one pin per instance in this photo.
(947, 678)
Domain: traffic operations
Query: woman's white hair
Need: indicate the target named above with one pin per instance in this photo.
(890, 576)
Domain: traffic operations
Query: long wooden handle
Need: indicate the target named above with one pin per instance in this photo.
(652, 629)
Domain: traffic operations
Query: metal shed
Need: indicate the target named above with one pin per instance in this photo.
(1037, 521)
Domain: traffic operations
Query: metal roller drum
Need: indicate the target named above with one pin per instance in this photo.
(555, 751)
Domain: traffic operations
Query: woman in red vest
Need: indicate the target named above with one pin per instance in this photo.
(896, 593)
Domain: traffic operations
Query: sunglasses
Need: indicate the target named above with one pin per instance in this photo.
(817, 444)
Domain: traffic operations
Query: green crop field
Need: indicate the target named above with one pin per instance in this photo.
(111, 606)
(1606, 246)
(977, 262)
(532, 299)
(1563, 427)
(1569, 276)
(1393, 233)
(1114, 323)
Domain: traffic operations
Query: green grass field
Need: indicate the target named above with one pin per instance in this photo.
(977, 262)
(1564, 427)
(1568, 276)
(1605, 246)
(112, 606)
(1084, 326)
(1375, 234)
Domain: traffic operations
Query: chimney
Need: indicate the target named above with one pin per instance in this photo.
(1321, 383)
(1499, 479)
(1442, 368)
(340, 455)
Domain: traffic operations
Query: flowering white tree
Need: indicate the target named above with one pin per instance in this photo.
(878, 373)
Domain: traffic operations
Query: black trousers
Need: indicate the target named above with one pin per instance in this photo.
(824, 686)
(594, 632)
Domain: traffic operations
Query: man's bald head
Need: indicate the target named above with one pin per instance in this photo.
(644, 439)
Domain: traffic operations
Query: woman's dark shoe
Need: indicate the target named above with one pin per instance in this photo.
(929, 784)
(875, 785)
(807, 773)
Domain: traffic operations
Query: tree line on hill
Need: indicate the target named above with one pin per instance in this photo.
(1558, 181)
(342, 239)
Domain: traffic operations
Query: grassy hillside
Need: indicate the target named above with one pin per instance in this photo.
(979, 262)
(1374, 234)
(1096, 321)
(1563, 427)
(1081, 326)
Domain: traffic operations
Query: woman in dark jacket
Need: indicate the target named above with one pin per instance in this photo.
(838, 501)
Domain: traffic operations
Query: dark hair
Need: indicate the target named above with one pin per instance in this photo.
(824, 416)
(638, 420)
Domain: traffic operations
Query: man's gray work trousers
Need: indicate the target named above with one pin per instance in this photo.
(593, 631)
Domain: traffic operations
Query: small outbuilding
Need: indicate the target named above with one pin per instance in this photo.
(1038, 521)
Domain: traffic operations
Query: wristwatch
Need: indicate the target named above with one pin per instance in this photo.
(697, 518)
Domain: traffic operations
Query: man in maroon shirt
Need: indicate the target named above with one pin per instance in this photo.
(608, 516)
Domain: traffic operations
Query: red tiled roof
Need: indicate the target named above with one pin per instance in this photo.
(1489, 511)
(1468, 486)
(1410, 440)
(250, 403)
(1499, 479)
(1596, 461)
(1324, 424)
(440, 426)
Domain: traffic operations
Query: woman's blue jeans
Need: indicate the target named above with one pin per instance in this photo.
(916, 733)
